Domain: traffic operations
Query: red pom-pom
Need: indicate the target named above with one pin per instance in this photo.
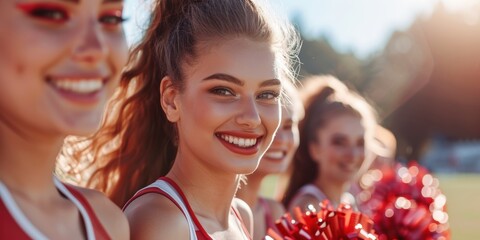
(323, 224)
(405, 203)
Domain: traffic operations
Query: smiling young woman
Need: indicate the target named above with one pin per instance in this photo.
(197, 108)
(334, 135)
(276, 160)
(59, 64)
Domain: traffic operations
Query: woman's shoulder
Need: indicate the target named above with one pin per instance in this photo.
(349, 199)
(276, 208)
(153, 215)
(242, 208)
(109, 214)
(245, 213)
(304, 201)
(306, 196)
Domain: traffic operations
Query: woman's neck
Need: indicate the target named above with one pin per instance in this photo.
(249, 192)
(209, 193)
(333, 190)
(27, 162)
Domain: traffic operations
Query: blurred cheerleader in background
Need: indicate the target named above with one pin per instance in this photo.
(334, 135)
(275, 161)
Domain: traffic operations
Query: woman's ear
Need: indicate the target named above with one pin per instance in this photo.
(168, 99)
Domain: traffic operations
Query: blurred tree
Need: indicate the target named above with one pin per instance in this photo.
(318, 56)
(427, 81)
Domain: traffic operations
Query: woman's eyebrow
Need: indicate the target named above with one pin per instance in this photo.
(225, 77)
(234, 80)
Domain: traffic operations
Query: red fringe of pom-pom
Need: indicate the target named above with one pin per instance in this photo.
(405, 203)
(325, 224)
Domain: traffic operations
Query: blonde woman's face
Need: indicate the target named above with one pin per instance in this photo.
(60, 62)
(340, 149)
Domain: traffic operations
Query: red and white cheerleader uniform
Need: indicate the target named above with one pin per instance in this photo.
(15, 225)
(168, 188)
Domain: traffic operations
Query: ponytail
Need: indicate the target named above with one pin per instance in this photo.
(136, 143)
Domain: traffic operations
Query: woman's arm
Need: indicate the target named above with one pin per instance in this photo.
(110, 215)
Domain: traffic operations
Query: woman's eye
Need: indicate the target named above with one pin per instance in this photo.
(269, 95)
(339, 142)
(45, 12)
(112, 19)
(222, 92)
(361, 143)
(51, 14)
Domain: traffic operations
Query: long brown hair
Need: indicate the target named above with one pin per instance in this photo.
(324, 98)
(136, 143)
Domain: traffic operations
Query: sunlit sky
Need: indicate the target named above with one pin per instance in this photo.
(359, 26)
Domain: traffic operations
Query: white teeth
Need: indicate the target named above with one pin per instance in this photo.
(241, 142)
(82, 86)
(274, 154)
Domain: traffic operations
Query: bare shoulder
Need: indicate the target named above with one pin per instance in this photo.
(245, 212)
(109, 214)
(153, 216)
(303, 201)
(277, 208)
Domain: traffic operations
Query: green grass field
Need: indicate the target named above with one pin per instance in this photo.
(463, 202)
